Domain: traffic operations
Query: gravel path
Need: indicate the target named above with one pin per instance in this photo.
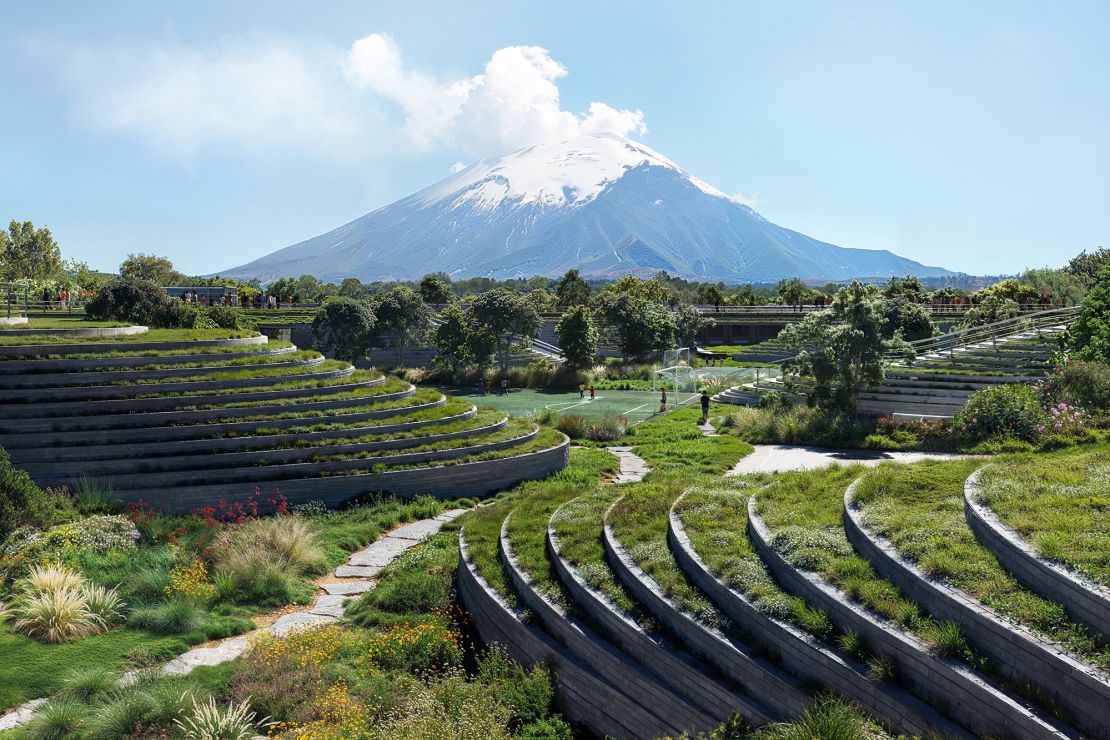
(351, 579)
(781, 458)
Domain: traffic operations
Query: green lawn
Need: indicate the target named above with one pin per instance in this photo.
(636, 406)
(1060, 503)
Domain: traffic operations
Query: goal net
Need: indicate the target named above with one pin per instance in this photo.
(676, 377)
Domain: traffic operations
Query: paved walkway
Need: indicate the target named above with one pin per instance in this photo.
(633, 467)
(349, 580)
(781, 458)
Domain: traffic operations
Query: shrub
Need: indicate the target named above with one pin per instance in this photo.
(171, 617)
(267, 557)
(59, 718)
(572, 425)
(190, 582)
(1011, 411)
(143, 302)
(23, 504)
(527, 692)
(207, 721)
(540, 372)
(92, 496)
(54, 604)
(89, 684)
(415, 648)
(345, 328)
(284, 675)
(1085, 384)
(226, 317)
(829, 718)
(947, 639)
(604, 430)
(773, 401)
(104, 603)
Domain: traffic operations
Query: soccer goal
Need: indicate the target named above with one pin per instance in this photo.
(677, 377)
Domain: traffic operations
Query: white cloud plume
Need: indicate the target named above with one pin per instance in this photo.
(512, 104)
(751, 200)
(457, 167)
(266, 93)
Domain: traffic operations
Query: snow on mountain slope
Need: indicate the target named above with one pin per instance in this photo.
(602, 204)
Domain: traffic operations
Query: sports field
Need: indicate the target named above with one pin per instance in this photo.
(635, 406)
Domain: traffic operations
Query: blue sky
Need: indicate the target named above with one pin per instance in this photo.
(975, 136)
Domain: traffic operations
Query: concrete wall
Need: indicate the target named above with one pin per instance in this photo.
(16, 367)
(85, 331)
(36, 350)
(1020, 654)
(805, 656)
(39, 378)
(949, 685)
(1085, 601)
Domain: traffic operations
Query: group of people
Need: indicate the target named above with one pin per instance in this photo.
(58, 298)
(267, 301)
(484, 386)
(192, 296)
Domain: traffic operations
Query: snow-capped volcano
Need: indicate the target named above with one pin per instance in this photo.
(602, 204)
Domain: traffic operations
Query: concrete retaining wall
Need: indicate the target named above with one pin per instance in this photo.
(123, 420)
(18, 367)
(51, 396)
(260, 441)
(682, 672)
(1084, 600)
(86, 331)
(50, 412)
(606, 660)
(214, 460)
(946, 684)
(1076, 686)
(805, 656)
(212, 469)
(585, 699)
(85, 348)
(36, 378)
(160, 431)
(782, 694)
(462, 480)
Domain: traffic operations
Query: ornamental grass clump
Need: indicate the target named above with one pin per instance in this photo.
(208, 721)
(55, 604)
(266, 558)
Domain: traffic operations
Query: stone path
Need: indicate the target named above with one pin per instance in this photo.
(633, 468)
(352, 580)
(781, 458)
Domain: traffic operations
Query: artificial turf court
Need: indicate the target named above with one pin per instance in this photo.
(636, 406)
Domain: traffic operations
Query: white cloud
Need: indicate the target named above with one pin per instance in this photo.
(514, 103)
(751, 200)
(457, 167)
(268, 93)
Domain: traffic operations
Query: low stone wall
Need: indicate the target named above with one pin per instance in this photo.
(38, 378)
(942, 682)
(1076, 686)
(86, 348)
(50, 412)
(208, 462)
(807, 657)
(462, 480)
(1084, 600)
(262, 441)
(123, 420)
(683, 673)
(18, 367)
(210, 469)
(673, 714)
(159, 427)
(782, 694)
(586, 700)
(85, 331)
(125, 391)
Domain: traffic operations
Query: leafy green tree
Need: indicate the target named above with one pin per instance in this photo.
(451, 339)
(435, 288)
(541, 300)
(993, 308)
(843, 349)
(149, 267)
(572, 290)
(911, 319)
(712, 295)
(654, 290)
(578, 336)
(689, 322)
(1089, 337)
(1087, 266)
(792, 292)
(345, 328)
(286, 287)
(509, 317)
(27, 253)
(481, 345)
(404, 320)
(1058, 286)
(85, 277)
(352, 288)
(638, 324)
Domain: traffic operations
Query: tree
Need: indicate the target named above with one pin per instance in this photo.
(993, 308)
(1089, 337)
(689, 322)
(843, 349)
(403, 320)
(713, 295)
(344, 327)
(639, 324)
(909, 318)
(435, 288)
(540, 299)
(572, 290)
(1087, 266)
(27, 253)
(509, 317)
(351, 288)
(451, 339)
(578, 336)
(792, 292)
(153, 269)
(654, 290)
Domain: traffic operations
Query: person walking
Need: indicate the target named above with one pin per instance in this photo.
(592, 394)
(504, 386)
(581, 390)
(662, 400)
(704, 407)
(46, 299)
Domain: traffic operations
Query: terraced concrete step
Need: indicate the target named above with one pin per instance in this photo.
(77, 364)
(37, 379)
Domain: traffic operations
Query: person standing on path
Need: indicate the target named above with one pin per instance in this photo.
(704, 407)
(592, 393)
